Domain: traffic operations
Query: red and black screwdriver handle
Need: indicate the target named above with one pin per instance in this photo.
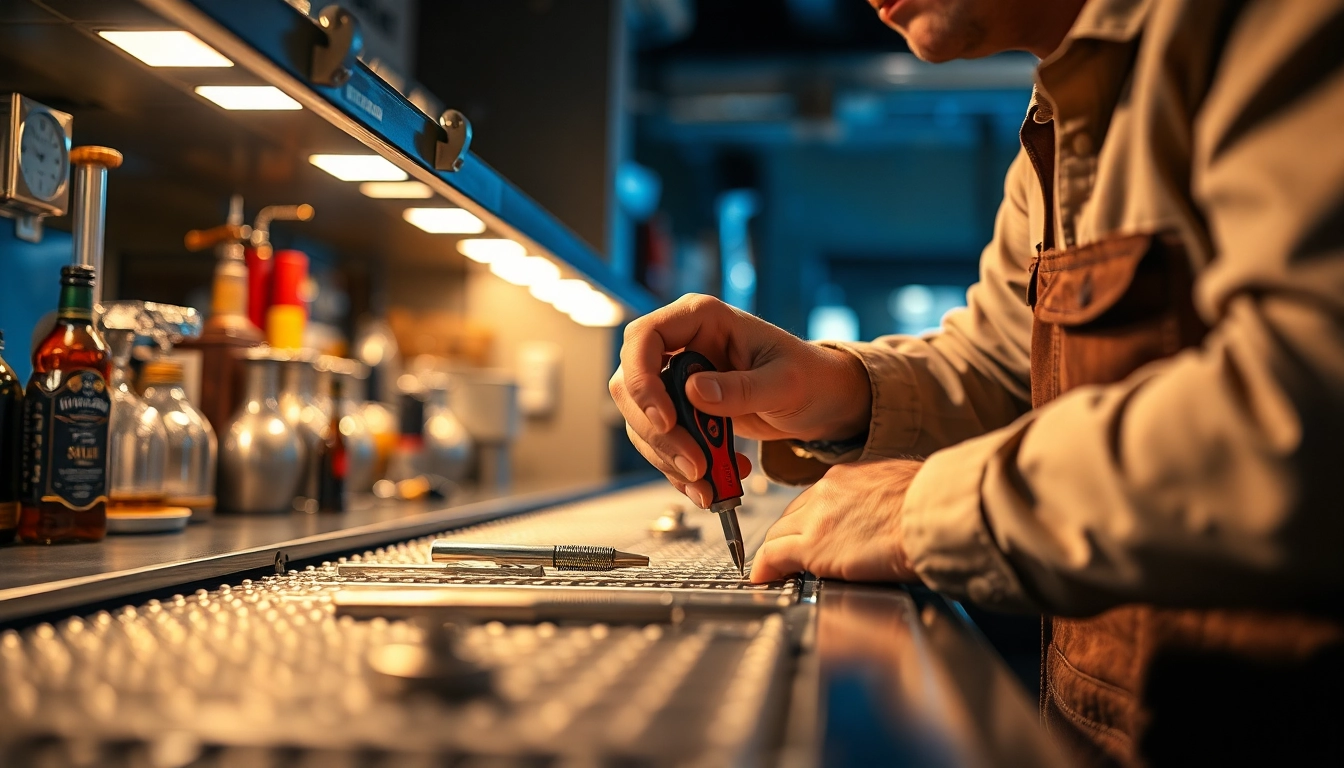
(714, 434)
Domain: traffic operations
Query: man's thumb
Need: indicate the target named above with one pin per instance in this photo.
(734, 393)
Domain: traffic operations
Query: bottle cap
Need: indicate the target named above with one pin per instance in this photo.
(77, 275)
(284, 326)
(288, 275)
(162, 372)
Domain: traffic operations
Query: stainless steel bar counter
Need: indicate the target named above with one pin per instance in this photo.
(678, 663)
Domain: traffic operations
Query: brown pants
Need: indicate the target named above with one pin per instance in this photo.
(1139, 685)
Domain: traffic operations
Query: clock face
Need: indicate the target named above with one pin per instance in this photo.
(43, 158)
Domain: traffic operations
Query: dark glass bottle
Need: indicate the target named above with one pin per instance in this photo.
(11, 440)
(66, 411)
(332, 494)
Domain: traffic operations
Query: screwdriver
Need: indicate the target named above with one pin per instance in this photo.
(714, 435)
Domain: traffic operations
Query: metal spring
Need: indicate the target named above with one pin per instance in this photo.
(583, 558)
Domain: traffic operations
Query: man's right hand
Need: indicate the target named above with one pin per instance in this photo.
(771, 383)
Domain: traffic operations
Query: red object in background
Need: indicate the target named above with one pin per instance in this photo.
(289, 271)
(259, 285)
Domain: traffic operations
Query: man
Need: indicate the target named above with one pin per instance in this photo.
(1134, 425)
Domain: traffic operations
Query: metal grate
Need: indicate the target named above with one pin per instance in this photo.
(268, 673)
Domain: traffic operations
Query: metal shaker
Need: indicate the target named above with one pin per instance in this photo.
(262, 455)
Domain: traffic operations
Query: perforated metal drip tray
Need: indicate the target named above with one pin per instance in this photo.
(678, 663)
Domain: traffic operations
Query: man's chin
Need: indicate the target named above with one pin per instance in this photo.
(934, 51)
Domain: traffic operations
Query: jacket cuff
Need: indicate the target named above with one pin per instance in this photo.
(782, 464)
(946, 537)
(895, 423)
(892, 430)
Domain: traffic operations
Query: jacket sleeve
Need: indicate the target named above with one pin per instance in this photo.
(970, 376)
(1211, 478)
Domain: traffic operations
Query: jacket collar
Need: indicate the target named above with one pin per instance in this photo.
(1118, 21)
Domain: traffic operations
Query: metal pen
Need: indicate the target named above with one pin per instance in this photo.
(564, 556)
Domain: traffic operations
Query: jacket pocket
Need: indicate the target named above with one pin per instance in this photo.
(1105, 309)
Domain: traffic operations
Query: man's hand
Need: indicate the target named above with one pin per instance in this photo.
(771, 383)
(843, 527)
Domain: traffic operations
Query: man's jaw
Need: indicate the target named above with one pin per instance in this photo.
(886, 9)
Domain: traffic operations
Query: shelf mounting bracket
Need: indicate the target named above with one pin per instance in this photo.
(333, 62)
(450, 154)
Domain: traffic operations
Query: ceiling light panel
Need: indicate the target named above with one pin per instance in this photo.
(358, 167)
(397, 190)
(166, 48)
(445, 221)
(526, 270)
(261, 98)
(489, 249)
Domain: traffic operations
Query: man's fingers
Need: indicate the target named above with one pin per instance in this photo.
(648, 339)
(778, 558)
(785, 526)
(634, 408)
(798, 502)
(743, 465)
(677, 466)
(701, 493)
(676, 449)
(734, 393)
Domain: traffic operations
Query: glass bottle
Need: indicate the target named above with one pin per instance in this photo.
(228, 331)
(66, 410)
(261, 458)
(11, 442)
(193, 449)
(137, 442)
(332, 488)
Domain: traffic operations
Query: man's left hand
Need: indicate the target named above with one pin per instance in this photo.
(843, 527)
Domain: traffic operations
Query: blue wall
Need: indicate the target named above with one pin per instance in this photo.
(29, 285)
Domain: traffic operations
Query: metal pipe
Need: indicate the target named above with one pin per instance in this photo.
(91, 165)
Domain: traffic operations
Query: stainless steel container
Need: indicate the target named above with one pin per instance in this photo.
(262, 457)
(360, 449)
(448, 445)
(299, 406)
(486, 402)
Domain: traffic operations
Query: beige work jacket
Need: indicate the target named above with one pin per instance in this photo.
(1212, 478)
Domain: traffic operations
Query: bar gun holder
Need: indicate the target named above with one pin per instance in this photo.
(333, 62)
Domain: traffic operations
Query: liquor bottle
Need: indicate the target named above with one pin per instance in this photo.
(11, 439)
(227, 329)
(66, 410)
(332, 491)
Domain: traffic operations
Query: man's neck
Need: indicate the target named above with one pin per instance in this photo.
(1045, 32)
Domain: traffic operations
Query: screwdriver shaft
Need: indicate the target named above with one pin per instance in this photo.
(732, 533)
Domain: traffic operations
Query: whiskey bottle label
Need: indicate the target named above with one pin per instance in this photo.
(66, 427)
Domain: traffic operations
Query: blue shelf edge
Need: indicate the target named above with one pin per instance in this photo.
(280, 39)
